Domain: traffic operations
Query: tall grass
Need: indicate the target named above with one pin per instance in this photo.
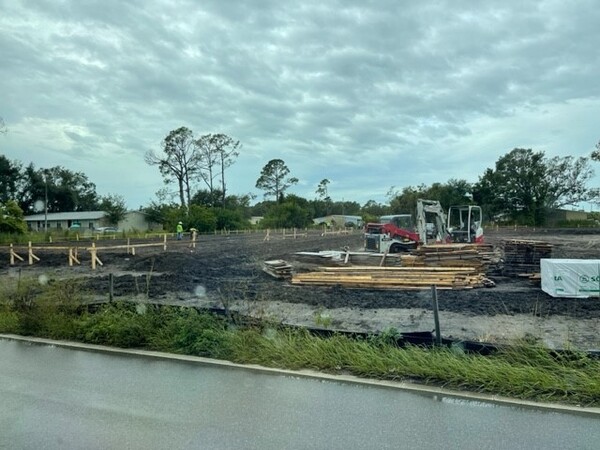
(523, 370)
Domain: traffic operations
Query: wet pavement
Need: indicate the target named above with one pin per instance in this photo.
(56, 398)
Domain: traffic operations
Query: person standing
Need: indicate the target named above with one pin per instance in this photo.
(179, 231)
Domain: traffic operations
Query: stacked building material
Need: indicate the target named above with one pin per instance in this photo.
(342, 257)
(451, 255)
(374, 277)
(523, 256)
(278, 268)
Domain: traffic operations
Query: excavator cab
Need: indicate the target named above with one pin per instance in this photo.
(464, 224)
(402, 221)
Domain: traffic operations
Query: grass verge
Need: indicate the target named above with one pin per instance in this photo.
(524, 370)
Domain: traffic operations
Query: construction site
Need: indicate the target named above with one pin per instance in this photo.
(487, 292)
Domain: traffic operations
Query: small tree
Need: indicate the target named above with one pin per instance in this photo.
(323, 195)
(274, 179)
(11, 218)
(114, 207)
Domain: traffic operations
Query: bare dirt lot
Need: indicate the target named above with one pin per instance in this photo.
(226, 271)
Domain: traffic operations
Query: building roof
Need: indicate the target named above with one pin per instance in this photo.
(78, 215)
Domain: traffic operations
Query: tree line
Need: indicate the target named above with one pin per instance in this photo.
(522, 187)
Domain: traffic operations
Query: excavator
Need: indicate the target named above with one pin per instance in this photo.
(396, 233)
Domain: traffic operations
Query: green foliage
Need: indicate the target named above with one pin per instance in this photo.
(453, 192)
(227, 219)
(372, 209)
(525, 185)
(66, 190)
(206, 198)
(577, 224)
(162, 213)
(201, 218)
(114, 207)
(11, 218)
(119, 325)
(189, 332)
(274, 179)
(345, 207)
(10, 176)
(289, 214)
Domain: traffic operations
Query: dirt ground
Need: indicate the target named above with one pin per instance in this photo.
(226, 271)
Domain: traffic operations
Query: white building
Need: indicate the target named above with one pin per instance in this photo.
(89, 220)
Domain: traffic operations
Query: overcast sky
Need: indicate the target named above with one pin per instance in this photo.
(368, 94)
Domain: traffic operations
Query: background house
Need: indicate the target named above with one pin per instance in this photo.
(89, 220)
(339, 220)
(560, 216)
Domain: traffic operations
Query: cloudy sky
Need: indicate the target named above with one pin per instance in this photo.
(368, 94)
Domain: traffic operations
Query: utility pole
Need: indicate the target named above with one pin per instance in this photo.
(45, 202)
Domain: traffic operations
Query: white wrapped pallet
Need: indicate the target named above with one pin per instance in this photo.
(574, 278)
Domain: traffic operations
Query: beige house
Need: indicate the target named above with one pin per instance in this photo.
(88, 220)
(563, 215)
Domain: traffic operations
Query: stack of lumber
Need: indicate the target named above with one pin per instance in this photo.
(342, 257)
(478, 257)
(523, 256)
(278, 268)
(374, 277)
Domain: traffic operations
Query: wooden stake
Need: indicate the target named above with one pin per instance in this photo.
(110, 287)
(13, 255)
(31, 255)
(73, 256)
(383, 258)
(93, 253)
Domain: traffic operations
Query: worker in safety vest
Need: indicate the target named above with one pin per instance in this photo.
(179, 231)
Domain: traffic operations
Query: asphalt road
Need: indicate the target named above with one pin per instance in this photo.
(55, 398)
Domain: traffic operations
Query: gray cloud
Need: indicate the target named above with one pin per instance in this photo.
(366, 94)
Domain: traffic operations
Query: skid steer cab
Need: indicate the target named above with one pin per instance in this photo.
(464, 224)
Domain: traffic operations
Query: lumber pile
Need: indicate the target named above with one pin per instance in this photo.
(481, 257)
(343, 257)
(523, 256)
(412, 278)
(278, 268)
